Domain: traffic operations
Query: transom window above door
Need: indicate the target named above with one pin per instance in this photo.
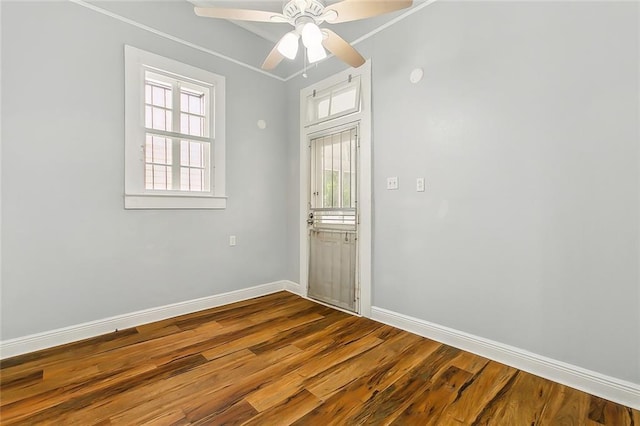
(333, 102)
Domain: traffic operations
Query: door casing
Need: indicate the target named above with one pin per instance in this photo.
(363, 118)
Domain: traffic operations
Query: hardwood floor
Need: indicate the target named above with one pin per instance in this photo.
(281, 360)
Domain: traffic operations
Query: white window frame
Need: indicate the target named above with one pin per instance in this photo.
(137, 62)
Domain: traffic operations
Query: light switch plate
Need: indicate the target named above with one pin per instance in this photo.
(420, 184)
(392, 182)
(232, 240)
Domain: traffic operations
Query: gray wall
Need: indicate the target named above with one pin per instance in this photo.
(526, 128)
(71, 253)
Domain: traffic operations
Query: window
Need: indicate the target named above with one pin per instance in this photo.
(174, 138)
(336, 101)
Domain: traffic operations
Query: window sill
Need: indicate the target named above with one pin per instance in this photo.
(181, 202)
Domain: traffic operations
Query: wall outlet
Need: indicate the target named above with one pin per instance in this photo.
(420, 184)
(232, 240)
(392, 182)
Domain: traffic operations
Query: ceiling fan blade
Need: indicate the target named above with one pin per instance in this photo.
(343, 50)
(240, 14)
(352, 10)
(273, 59)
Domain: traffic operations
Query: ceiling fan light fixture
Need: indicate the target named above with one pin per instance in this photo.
(311, 35)
(306, 16)
(288, 45)
(316, 53)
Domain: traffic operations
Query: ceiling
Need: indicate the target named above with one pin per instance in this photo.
(350, 31)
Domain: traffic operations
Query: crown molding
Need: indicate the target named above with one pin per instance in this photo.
(173, 38)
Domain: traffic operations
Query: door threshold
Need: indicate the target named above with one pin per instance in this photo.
(329, 305)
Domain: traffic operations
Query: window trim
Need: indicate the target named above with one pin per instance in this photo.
(137, 62)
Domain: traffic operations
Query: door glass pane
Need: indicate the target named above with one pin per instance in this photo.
(333, 174)
(346, 189)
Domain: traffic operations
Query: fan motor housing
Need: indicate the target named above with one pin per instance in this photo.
(312, 8)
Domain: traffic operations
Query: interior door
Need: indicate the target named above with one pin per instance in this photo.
(332, 218)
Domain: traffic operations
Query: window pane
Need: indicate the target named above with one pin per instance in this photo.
(191, 179)
(168, 120)
(195, 105)
(195, 154)
(167, 99)
(158, 96)
(148, 176)
(161, 177)
(159, 119)
(196, 125)
(192, 154)
(184, 178)
(148, 117)
(157, 177)
(161, 150)
(196, 179)
(184, 102)
(343, 101)
(184, 124)
(148, 149)
(323, 108)
(169, 145)
(184, 154)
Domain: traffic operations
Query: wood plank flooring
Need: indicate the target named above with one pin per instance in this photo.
(280, 360)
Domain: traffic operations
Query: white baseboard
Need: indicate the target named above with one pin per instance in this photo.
(292, 287)
(48, 339)
(606, 387)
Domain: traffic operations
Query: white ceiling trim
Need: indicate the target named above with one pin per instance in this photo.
(173, 38)
(376, 30)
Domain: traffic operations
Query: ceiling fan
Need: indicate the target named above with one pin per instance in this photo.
(306, 16)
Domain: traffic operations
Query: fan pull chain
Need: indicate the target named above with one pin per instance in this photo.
(304, 60)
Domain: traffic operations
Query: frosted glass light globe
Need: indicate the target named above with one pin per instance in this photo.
(311, 35)
(316, 53)
(288, 45)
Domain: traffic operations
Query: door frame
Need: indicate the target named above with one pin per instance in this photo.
(364, 196)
